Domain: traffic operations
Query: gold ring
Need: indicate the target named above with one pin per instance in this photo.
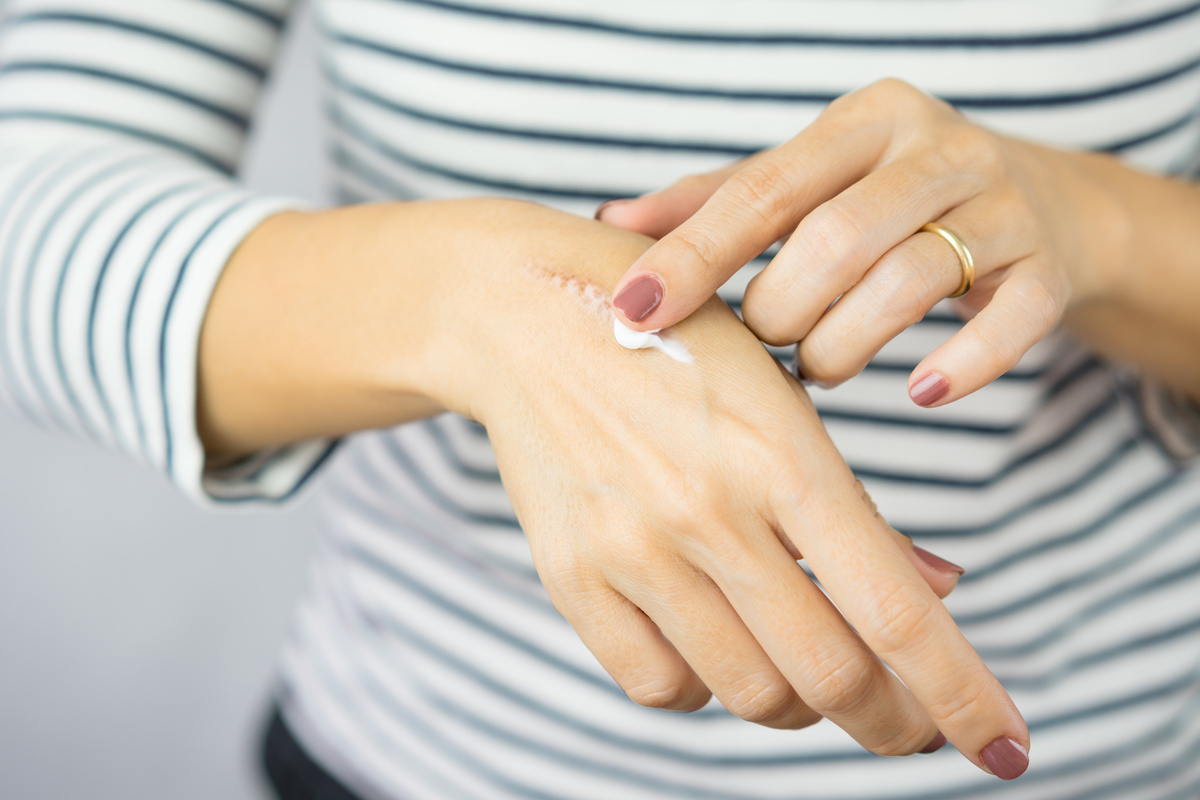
(965, 259)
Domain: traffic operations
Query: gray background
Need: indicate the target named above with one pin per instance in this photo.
(138, 634)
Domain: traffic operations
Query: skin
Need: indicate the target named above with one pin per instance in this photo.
(652, 541)
(1076, 238)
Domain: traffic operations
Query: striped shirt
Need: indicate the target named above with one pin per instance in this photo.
(426, 660)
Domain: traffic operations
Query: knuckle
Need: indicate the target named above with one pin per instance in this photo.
(696, 245)
(625, 545)
(828, 361)
(774, 329)
(765, 190)
(900, 743)
(694, 183)
(1025, 220)
(1041, 304)
(762, 701)
(972, 149)
(661, 691)
(563, 571)
(832, 235)
(892, 91)
(843, 688)
(897, 618)
(962, 707)
(898, 289)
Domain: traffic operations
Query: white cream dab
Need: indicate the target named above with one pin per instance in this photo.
(598, 303)
(642, 340)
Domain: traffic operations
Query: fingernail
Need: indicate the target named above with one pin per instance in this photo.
(937, 562)
(929, 389)
(639, 298)
(935, 744)
(1005, 758)
(605, 205)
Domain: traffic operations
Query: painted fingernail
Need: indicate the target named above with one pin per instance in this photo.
(1005, 758)
(600, 209)
(929, 389)
(639, 298)
(937, 562)
(935, 744)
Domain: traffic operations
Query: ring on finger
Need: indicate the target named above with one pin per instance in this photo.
(965, 260)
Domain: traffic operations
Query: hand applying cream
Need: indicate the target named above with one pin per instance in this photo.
(641, 340)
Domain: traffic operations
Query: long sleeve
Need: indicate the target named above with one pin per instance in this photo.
(121, 123)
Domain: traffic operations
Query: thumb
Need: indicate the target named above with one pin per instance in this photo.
(658, 213)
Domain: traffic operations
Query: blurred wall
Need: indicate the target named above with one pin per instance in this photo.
(138, 635)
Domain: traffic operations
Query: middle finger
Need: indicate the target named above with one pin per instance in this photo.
(835, 245)
(905, 283)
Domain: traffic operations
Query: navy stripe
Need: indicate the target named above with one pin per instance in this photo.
(116, 127)
(965, 101)
(1181, 524)
(1124, 751)
(1153, 135)
(274, 20)
(56, 308)
(166, 329)
(1120, 703)
(483, 678)
(532, 134)
(1088, 421)
(134, 296)
(393, 153)
(330, 678)
(1134, 784)
(1023, 40)
(1048, 543)
(236, 118)
(24, 314)
(381, 695)
(399, 455)
(1153, 639)
(451, 457)
(300, 483)
(406, 581)
(142, 30)
(526, 589)
(905, 367)
(110, 414)
(19, 225)
(1103, 465)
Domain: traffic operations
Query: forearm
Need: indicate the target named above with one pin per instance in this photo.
(331, 322)
(1144, 306)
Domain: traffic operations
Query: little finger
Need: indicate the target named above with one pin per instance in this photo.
(704, 628)
(631, 648)
(1024, 308)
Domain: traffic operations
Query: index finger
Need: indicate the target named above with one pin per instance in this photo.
(893, 610)
(756, 206)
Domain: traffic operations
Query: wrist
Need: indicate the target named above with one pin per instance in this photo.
(328, 322)
(1098, 257)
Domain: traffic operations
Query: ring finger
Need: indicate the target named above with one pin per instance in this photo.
(704, 628)
(906, 282)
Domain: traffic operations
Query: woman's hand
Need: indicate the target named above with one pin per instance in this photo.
(665, 504)
(850, 194)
